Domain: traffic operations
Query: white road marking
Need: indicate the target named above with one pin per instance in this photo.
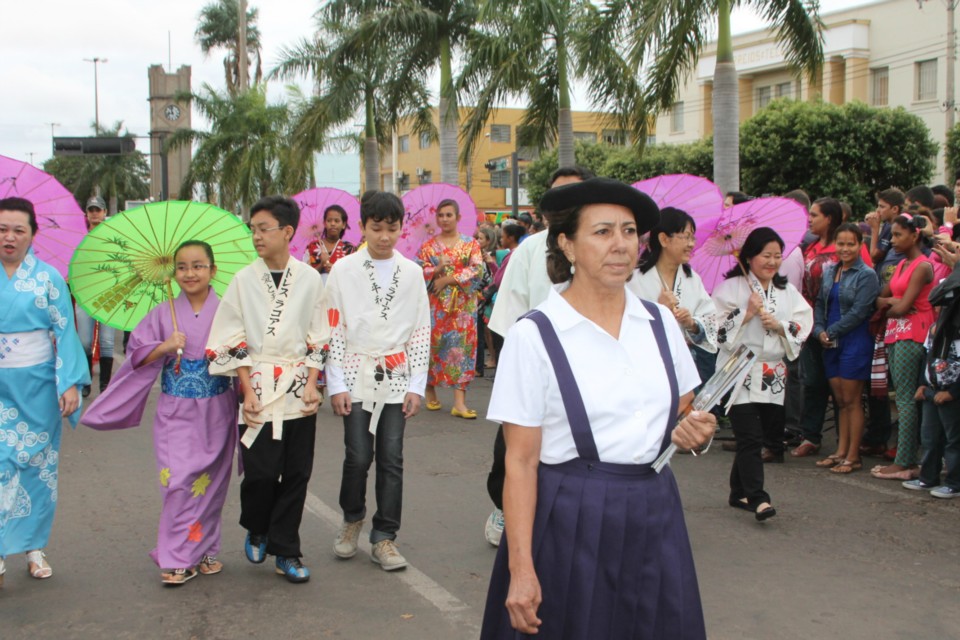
(452, 608)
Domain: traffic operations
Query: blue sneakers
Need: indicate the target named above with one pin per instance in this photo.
(944, 492)
(293, 569)
(255, 547)
(917, 485)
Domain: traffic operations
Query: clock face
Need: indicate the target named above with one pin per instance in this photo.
(171, 112)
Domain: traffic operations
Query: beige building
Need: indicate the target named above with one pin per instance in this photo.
(416, 160)
(887, 54)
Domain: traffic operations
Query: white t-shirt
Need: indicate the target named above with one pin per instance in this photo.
(624, 386)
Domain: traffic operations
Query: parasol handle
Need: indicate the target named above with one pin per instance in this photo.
(173, 316)
(746, 275)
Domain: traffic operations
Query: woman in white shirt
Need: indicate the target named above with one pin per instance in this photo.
(588, 389)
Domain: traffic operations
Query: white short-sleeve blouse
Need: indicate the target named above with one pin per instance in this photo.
(623, 383)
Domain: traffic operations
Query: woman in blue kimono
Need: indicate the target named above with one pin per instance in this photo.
(41, 367)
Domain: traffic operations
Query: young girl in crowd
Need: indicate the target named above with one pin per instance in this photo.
(194, 431)
(330, 246)
(909, 318)
(757, 307)
(841, 325)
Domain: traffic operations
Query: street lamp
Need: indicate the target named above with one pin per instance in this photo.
(96, 91)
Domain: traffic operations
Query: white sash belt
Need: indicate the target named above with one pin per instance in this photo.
(25, 348)
(374, 394)
(273, 395)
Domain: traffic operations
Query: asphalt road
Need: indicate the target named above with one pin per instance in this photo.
(848, 557)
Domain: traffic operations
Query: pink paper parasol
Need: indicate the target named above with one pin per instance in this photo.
(420, 223)
(718, 253)
(697, 196)
(313, 202)
(61, 220)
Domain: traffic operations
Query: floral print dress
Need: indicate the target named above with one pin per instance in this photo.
(453, 310)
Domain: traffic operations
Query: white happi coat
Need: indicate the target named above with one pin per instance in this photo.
(693, 297)
(279, 332)
(767, 378)
(380, 332)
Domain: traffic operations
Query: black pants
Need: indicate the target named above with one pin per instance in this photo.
(361, 450)
(274, 486)
(753, 424)
(498, 470)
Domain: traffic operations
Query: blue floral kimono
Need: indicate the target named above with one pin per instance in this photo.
(40, 358)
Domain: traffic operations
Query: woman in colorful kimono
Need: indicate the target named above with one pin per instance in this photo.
(665, 276)
(589, 389)
(41, 367)
(757, 307)
(195, 429)
(330, 246)
(453, 268)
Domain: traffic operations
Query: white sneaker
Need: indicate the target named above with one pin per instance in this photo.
(386, 555)
(493, 530)
(345, 546)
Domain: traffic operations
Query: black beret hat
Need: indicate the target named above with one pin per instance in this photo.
(603, 191)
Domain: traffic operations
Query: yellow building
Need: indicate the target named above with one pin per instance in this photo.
(416, 160)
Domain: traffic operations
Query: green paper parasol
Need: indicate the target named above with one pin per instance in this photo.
(120, 270)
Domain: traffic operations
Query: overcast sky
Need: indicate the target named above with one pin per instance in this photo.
(46, 79)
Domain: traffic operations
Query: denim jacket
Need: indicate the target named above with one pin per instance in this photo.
(859, 288)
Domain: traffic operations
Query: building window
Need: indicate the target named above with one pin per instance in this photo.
(403, 182)
(424, 176)
(404, 144)
(424, 140)
(880, 86)
(652, 139)
(926, 72)
(500, 133)
(764, 96)
(500, 179)
(616, 137)
(784, 90)
(590, 137)
(676, 118)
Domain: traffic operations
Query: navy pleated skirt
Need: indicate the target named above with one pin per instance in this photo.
(612, 555)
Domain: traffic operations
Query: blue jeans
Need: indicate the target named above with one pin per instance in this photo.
(706, 364)
(939, 440)
(85, 331)
(360, 453)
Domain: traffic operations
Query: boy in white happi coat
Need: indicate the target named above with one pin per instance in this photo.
(270, 331)
(379, 317)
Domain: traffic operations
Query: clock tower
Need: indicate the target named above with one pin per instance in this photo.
(166, 116)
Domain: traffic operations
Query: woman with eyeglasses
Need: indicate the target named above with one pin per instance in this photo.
(665, 276)
(40, 372)
(194, 431)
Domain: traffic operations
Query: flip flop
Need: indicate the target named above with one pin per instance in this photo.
(830, 461)
(905, 474)
(847, 466)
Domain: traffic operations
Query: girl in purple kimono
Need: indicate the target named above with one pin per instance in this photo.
(195, 429)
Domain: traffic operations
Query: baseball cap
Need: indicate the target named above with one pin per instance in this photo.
(96, 201)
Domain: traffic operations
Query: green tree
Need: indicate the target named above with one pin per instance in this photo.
(218, 29)
(350, 81)
(426, 35)
(114, 178)
(665, 39)
(848, 152)
(535, 51)
(245, 154)
(952, 151)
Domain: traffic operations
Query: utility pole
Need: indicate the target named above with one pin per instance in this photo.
(52, 126)
(96, 91)
(31, 154)
(243, 80)
(951, 60)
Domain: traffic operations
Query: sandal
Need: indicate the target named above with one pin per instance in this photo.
(209, 566)
(847, 466)
(41, 568)
(739, 504)
(178, 576)
(830, 461)
(880, 472)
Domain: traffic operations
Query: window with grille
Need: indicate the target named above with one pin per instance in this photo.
(784, 90)
(403, 182)
(764, 96)
(926, 72)
(616, 137)
(590, 137)
(880, 86)
(500, 179)
(676, 118)
(404, 144)
(499, 133)
(424, 140)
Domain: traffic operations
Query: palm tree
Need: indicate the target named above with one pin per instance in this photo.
(245, 154)
(537, 50)
(350, 80)
(115, 178)
(670, 36)
(218, 29)
(427, 35)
